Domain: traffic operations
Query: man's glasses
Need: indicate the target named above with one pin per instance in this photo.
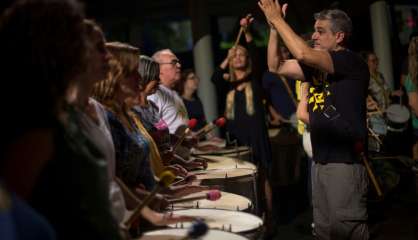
(173, 62)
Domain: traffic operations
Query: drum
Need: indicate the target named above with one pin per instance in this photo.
(232, 221)
(378, 125)
(241, 152)
(223, 162)
(241, 181)
(398, 116)
(178, 234)
(228, 201)
(218, 143)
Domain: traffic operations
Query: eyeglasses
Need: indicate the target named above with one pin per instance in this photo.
(173, 62)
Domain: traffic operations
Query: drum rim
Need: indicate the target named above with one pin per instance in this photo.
(222, 192)
(202, 172)
(184, 229)
(239, 149)
(223, 210)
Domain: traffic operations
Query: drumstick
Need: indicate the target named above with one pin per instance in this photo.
(359, 148)
(241, 30)
(211, 196)
(371, 175)
(375, 136)
(166, 178)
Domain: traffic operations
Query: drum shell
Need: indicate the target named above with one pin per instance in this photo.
(241, 185)
(397, 117)
(241, 152)
(286, 157)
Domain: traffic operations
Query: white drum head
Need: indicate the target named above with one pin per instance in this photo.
(228, 201)
(221, 162)
(232, 221)
(177, 234)
(397, 113)
(223, 173)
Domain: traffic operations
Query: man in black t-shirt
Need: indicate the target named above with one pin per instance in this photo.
(334, 106)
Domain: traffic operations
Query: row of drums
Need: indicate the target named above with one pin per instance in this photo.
(231, 216)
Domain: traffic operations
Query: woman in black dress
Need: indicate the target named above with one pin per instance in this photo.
(244, 107)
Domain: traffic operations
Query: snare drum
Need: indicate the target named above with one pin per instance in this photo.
(228, 201)
(178, 234)
(232, 221)
(398, 116)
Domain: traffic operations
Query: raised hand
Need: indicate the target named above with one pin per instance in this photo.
(246, 21)
(272, 9)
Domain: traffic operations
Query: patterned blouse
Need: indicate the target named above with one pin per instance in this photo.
(132, 154)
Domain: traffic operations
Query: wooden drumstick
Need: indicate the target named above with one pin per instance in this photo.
(375, 136)
(359, 148)
(241, 30)
(371, 175)
(211, 196)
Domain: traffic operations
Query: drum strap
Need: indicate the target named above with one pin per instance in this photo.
(289, 91)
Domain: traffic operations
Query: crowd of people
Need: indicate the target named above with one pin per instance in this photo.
(103, 123)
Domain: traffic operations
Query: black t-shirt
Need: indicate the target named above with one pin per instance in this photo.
(337, 109)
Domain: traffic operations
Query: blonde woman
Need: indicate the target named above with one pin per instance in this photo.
(137, 158)
(244, 108)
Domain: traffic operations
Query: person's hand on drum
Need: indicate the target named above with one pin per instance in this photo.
(183, 190)
(163, 219)
(167, 218)
(160, 202)
(167, 156)
(196, 163)
(190, 141)
(178, 170)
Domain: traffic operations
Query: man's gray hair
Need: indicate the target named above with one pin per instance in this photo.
(340, 21)
(157, 55)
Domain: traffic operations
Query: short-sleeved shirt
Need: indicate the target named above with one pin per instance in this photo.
(337, 108)
(170, 107)
(155, 125)
(410, 87)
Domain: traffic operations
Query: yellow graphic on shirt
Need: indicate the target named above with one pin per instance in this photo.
(318, 95)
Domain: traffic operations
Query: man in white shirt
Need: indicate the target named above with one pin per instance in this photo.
(170, 105)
